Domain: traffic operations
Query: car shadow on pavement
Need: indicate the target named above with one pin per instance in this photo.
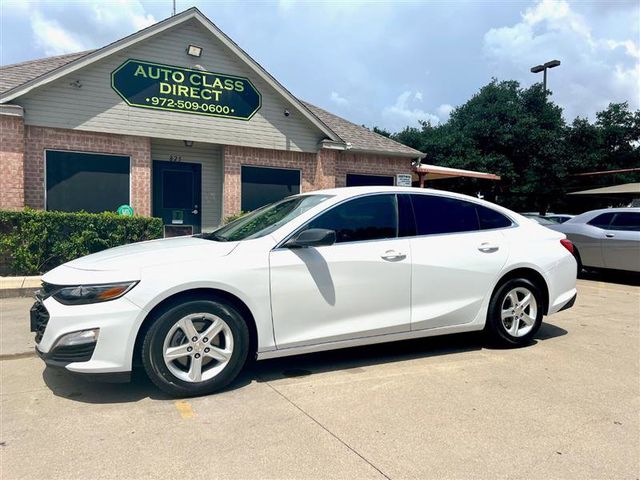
(611, 276)
(351, 360)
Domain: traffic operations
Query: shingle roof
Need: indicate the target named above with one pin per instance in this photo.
(359, 138)
(14, 75)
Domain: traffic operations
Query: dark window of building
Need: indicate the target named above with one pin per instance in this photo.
(261, 186)
(435, 214)
(489, 218)
(357, 180)
(602, 221)
(629, 221)
(86, 181)
(373, 217)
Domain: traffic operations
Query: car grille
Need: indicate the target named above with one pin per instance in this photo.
(39, 319)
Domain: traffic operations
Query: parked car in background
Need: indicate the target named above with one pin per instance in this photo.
(558, 217)
(607, 238)
(539, 219)
(317, 271)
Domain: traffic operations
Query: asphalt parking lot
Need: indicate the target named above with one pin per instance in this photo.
(565, 407)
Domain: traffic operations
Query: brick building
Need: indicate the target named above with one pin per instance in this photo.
(178, 122)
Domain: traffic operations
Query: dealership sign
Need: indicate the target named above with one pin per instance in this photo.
(166, 87)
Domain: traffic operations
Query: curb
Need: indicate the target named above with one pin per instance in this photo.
(17, 292)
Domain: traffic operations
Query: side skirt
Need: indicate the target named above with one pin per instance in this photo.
(356, 342)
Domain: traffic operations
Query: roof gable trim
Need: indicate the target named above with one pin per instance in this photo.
(159, 27)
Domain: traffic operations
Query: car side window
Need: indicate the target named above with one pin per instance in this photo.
(629, 221)
(601, 221)
(373, 217)
(435, 214)
(490, 219)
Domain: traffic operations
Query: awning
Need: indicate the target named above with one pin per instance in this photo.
(433, 172)
(624, 189)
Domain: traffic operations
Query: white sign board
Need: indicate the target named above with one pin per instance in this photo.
(403, 180)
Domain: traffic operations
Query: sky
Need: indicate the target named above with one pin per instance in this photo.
(388, 64)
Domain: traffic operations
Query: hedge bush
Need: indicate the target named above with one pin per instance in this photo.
(33, 242)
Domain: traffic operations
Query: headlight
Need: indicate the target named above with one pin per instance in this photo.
(83, 294)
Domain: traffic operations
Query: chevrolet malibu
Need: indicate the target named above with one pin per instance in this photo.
(316, 271)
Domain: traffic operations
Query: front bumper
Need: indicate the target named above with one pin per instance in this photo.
(112, 353)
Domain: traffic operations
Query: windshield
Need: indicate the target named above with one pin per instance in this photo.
(266, 219)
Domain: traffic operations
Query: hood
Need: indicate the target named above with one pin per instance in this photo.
(128, 260)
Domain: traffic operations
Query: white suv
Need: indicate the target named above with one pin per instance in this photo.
(316, 271)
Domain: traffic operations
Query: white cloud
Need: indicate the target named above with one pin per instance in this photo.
(444, 111)
(402, 114)
(52, 38)
(418, 96)
(94, 23)
(594, 70)
(338, 99)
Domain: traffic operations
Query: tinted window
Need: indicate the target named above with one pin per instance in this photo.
(355, 180)
(626, 221)
(489, 218)
(366, 218)
(85, 181)
(602, 221)
(177, 188)
(436, 214)
(261, 186)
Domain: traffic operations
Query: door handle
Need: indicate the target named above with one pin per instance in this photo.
(486, 247)
(393, 255)
(609, 235)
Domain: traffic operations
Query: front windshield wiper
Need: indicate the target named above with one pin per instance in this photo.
(215, 237)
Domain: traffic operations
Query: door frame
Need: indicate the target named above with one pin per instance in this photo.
(156, 209)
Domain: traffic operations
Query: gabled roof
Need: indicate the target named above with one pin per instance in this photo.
(20, 78)
(361, 139)
(12, 76)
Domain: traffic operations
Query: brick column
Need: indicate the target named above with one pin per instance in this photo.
(12, 160)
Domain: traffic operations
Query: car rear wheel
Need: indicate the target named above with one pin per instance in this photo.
(515, 313)
(196, 347)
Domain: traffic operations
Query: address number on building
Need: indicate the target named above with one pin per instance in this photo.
(166, 87)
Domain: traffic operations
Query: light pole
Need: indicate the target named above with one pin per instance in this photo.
(544, 68)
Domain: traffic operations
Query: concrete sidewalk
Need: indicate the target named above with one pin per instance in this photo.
(19, 286)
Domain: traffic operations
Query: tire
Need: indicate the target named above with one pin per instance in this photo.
(529, 317)
(172, 360)
(576, 255)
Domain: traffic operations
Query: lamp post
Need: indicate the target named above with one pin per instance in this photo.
(544, 68)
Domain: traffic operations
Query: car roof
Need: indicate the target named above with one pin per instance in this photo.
(586, 216)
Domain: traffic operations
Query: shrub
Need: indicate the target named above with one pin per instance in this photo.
(33, 241)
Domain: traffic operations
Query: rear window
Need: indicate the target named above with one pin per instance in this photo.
(435, 214)
(629, 221)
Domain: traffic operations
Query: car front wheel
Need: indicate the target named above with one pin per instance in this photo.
(515, 313)
(196, 347)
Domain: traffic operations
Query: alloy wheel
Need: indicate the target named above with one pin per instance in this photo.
(198, 347)
(519, 311)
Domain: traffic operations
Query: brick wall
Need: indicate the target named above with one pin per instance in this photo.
(316, 170)
(11, 162)
(40, 138)
(369, 165)
(326, 169)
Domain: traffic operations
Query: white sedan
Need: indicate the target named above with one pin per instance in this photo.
(316, 271)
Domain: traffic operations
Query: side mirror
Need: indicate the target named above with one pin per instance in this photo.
(314, 237)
